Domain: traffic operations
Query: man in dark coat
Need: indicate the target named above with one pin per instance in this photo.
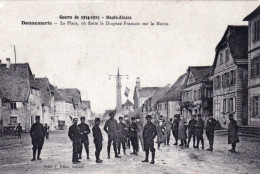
(19, 130)
(210, 128)
(199, 132)
(168, 126)
(37, 135)
(111, 128)
(191, 130)
(98, 138)
(74, 135)
(149, 134)
(232, 133)
(84, 131)
(175, 128)
(121, 135)
(182, 132)
(133, 136)
(127, 122)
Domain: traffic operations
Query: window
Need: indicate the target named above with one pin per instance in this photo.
(13, 120)
(224, 80)
(225, 105)
(199, 94)
(13, 105)
(255, 105)
(195, 95)
(232, 77)
(231, 105)
(218, 82)
(165, 105)
(221, 58)
(256, 31)
(227, 79)
(255, 67)
(227, 54)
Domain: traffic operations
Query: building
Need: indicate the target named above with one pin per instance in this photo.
(230, 76)
(197, 92)
(150, 105)
(21, 97)
(169, 104)
(254, 67)
(1, 107)
(142, 94)
(86, 110)
(48, 100)
(127, 108)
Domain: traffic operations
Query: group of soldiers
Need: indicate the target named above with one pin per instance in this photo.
(122, 133)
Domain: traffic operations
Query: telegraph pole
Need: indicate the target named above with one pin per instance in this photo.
(118, 91)
(14, 53)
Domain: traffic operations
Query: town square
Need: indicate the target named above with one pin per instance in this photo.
(127, 87)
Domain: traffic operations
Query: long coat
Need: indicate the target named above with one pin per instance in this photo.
(232, 132)
(199, 129)
(182, 134)
(149, 133)
(160, 133)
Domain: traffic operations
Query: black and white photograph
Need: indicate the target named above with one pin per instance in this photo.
(130, 87)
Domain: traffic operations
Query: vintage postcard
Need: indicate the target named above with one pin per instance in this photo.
(130, 87)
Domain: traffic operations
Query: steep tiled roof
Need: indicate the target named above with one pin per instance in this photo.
(252, 14)
(58, 96)
(128, 103)
(43, 84)
(16, 81)
(72, 93)
(158, 94)
(86, 104)
(174, 93)
(236, 37)
(147, 91)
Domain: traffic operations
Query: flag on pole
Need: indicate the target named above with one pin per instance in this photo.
(127, 90)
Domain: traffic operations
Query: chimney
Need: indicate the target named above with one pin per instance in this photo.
(138, 83)
(7, 62)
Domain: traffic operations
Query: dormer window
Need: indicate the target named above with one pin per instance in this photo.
(221, 58)
(227, 54)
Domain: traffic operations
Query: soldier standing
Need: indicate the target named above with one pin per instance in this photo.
(210, 128)
(37, 135)
(127, 122)
(98, 138)
(232, 133)
(74, 135)
(133, 136)
(199, 132)
(121, 135)
(19, 130)
(168, 131)
(182, 132)
(84, 131)
(46, 130)
(191, 130)
(139, 133)
(111, 128)
(149, 134)
(175, 128)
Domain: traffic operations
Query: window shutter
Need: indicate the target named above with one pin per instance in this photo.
(252, 68)
(254, 29)
(234, 77)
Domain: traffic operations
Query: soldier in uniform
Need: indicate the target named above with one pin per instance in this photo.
(232, 133)
(37, 135)
(74, 135)
(98, 138)
(210, 128)
(127, 122)
(149, 134)
(139, 133)
(175, 128)
(84, 131)
(121, 135)
(191, 130)
(111, 128)
(199, 132)
(168, 126)
(19, 130)
(133, 136)
(182, 132)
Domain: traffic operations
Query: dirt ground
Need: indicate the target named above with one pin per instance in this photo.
(15, 156)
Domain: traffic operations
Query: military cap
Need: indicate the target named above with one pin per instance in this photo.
(138, 117)
(37, 117)
(148, 116)
(75, 119)
(199, 115)
(97, 119)
(194, 116)
(120, 117)
(125, 116)
(82, 118)
(230, 115)
(133, 118)
(111, 113)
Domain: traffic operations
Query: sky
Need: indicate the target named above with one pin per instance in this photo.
(83, 57)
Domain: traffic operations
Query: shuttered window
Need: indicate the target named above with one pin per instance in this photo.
(255, 67)
(256, 31)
